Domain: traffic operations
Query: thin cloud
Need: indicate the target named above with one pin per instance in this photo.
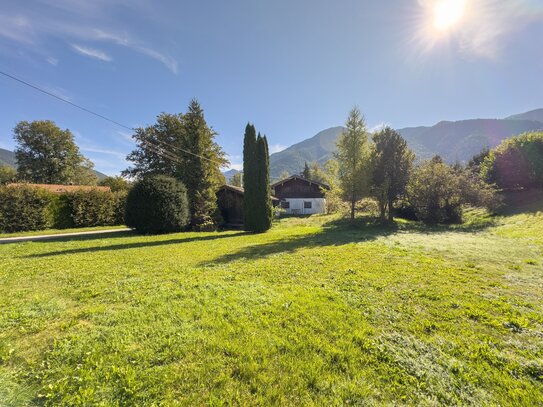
(52, 61)
(91, 52)
(99, 150)
(125, 41)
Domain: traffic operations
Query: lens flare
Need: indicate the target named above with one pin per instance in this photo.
(447, 13)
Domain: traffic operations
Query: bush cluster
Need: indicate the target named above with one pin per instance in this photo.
(24, 208)
(157, 204)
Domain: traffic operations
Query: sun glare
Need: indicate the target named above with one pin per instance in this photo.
(447, 13)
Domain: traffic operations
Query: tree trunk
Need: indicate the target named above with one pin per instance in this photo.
(352, 209)
(382, 208)
(390, 210)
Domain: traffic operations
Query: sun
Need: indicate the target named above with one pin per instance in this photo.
(448, 13)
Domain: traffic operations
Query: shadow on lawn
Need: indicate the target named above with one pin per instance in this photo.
(341, 232)
(135, 245)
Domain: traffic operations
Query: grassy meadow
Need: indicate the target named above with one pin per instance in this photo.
(314, 312)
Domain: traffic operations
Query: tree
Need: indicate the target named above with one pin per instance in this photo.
(353, 159)
(283, 175)
(516, 163)
(183, 146)
(201, 170)
(250, 178)
(116, 184)
(306, 173)
(391, 161)
(334, 195)
(7, 174)
(46, 154)
(263, 208)
(435, 193)
(317, 174)
(157, 204)
(237, 179)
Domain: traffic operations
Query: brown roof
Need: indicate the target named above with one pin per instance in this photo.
(302, 179)
(59, 189)
(241, 191)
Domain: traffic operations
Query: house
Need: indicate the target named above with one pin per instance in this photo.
(300, 196)
(230, 203)
(60, 189)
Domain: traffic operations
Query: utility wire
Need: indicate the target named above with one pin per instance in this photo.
(106, 118)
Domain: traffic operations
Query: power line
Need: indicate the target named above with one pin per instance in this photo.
(108, 119)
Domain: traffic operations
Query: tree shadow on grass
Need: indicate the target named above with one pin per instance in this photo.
(341, 232)
(134, 245)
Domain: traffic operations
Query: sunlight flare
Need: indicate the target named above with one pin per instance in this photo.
(448, 13)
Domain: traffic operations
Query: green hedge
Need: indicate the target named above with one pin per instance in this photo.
(24, 208)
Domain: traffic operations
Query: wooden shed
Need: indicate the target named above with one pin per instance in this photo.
(230, 203)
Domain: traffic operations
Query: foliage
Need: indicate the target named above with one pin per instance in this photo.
(516, 163)
(7, 174)
(257, 207)
(116, 183)
(315, 312)
(391, 162)
(283, 175)
(250, 178)
(435, 192)
(237, 179)
(474, 164)
(157, 204)
(306, 173)
(48, 155)
(264, 209)
(182, 146)
(353, 158)
(24, 208)
(334, 195)
(95, 208)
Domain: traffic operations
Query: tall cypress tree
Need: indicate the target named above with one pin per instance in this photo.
(265, 210)
(250, 183)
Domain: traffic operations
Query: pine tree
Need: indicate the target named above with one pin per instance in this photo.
(250, 171)
(200, 172)
(306, 173)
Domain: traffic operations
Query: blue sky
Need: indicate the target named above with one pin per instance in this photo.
(292, 67)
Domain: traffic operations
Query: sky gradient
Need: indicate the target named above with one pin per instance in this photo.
(293, 68)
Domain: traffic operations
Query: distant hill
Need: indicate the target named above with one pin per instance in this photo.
(229, 174)
(7, 157)
(318, 148)
(454, 141)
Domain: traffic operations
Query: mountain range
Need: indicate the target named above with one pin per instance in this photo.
(7, 157)
(453, 140)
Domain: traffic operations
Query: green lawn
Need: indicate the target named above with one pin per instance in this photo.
(59, 231)
(313, 312)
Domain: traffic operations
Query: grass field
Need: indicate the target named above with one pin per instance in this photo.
(58, 231)
(313, 312)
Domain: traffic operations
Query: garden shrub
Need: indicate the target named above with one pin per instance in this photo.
(24, 208)
(92, 208)
(157, 204)
(516, 163)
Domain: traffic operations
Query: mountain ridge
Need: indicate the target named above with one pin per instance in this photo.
(453, 140)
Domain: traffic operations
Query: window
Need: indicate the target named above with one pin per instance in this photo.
(307, 205)
(285, 205)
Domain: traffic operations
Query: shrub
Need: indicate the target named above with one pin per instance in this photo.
(24, 208)
(91, 208)
(435, 194)
(516, 163)
(157, 204)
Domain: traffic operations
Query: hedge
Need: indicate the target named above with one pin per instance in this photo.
(24, 208)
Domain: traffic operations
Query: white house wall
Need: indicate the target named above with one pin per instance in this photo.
(318, 206)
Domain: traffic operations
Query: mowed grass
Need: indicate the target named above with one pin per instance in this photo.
(314, 312)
